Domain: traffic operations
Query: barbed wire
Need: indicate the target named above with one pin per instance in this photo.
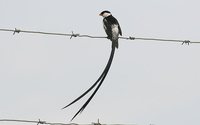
(37, 122)
(72, 34)
(50, 123)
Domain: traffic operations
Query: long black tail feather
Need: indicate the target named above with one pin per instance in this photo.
(88, 90)
(99, 80)
(105, 72)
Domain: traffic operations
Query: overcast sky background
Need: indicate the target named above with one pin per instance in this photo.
(149, 82)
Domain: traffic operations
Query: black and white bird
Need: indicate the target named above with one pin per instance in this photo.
(111, 27)
(113, 30)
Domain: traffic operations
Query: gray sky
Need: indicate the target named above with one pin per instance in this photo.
(149, 82)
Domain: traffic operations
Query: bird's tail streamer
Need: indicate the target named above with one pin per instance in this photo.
(99, 80)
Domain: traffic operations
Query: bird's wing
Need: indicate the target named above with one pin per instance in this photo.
(108, 22)
(107, 27)
(116, 22)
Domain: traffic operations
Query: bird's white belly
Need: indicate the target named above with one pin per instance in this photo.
(115, 31)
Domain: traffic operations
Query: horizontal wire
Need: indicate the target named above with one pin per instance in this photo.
(37, 122)
(49, 123)
(89, 36)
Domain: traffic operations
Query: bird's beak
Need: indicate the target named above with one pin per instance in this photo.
(100, 14)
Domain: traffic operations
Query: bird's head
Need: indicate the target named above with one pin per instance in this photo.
(105, 13)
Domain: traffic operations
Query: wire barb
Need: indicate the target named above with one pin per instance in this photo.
(186, 42)
(16, 31)
(131, 38)
(41, 122)
(73, 35)
(98, 123)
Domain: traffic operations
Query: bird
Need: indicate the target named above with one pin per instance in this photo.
(111, 27)
(113, 30)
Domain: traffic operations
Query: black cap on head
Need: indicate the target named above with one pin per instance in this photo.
(105, 11)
